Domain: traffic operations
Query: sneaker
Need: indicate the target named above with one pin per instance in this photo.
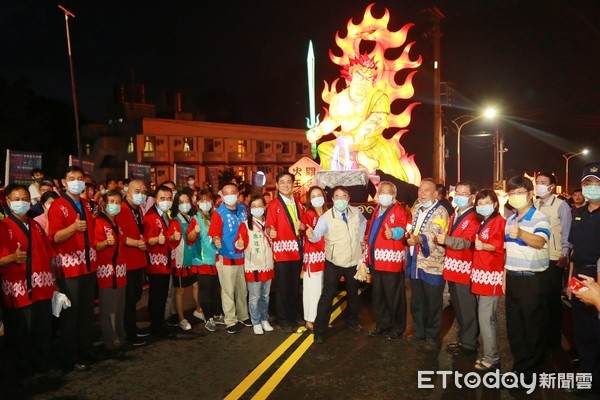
(173, 321)
(143, 333)
(246, 322)
(233, 329)
(210, 325)
(219, 319)
(185, 325)
(200, 316)
(266, 326)
(137, 342)
(258, 330)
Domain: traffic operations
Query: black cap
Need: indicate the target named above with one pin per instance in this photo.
(591, 169)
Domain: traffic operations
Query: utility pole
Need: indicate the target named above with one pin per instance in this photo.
(438, 140)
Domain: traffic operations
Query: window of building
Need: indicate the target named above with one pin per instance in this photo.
(209, 145)
(149, 143)
(188, 144)
(241, 147)
(285, 148)
(260, 146)
(88, 149)
(131, 146)
(299, 148)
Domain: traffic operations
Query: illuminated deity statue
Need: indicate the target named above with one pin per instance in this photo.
(359, 114)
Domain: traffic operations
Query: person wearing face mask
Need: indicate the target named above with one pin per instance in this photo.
(183, 276)
(487, 275)
(70, 227)
(34, 189)
(109, 241)
(161, 239)
(314, 256)
(130, 220)
(425, 265)
(387, 261)
(585, 260)
(27, 278)
(559, 213)
(258, 265)
(224, 230)
(284, 226)
(45, 201)
(191, 181)
(204, 263)
(527, 257)
(343, 228)
(125, 188)
(459, 241)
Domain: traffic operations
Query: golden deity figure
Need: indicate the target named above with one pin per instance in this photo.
(360, 111)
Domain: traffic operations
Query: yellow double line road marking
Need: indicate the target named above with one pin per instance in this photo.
(282, 371)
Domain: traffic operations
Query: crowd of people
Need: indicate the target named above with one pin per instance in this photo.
(61, 250)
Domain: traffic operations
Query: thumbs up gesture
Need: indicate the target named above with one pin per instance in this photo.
(20, 255)
(478, 243)
(410, 239)
(309, 232)
(176, 236)
(272, 233)
(197, 228)
(388, 232)
(217, 242)
(110, 239)
(141, 244)
(80, 226)
(239, 244)
(161, 237)
(514, 230)
(441, 238)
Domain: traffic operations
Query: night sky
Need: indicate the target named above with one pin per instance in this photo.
(244, 62)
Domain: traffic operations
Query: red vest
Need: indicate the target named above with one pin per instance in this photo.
(162, 256)
(15, 286)
(457, 263)
(488, 266)
(286, 246)
(314, 253)
(110, 274)
(134, 257)
(71, 257)
(386, 254)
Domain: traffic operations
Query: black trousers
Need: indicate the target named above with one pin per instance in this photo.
(587, 329)
(209, 295)
(389, 300)
(76, 323)
(133, 294)
(29, 337)
(158, 292)
(554, 275)
(426, 304)
(331, 279)
(464, 303)
(287, 285)
(526, 315)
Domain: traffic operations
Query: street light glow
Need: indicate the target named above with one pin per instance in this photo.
(490, 112)
(585, 151)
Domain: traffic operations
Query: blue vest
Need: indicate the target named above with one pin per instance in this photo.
(231, 223)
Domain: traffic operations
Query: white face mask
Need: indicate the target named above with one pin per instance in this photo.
(191, 182)
(542, 190)
(317, 202)
(386, 199)
(138, 198)
(20, 207)
(427, 204)
(204, 206)
(257, 212)
(230, 199)
(165, 206)
(75, 187)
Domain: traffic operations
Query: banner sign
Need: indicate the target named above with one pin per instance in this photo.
(19, 165)
(181, 175)
(86, 166)
(138, 171)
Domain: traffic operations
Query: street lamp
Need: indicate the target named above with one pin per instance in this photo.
(75, 106)
(568, 156)
(488, 113)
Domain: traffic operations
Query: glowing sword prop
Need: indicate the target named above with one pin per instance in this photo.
(312, 121)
